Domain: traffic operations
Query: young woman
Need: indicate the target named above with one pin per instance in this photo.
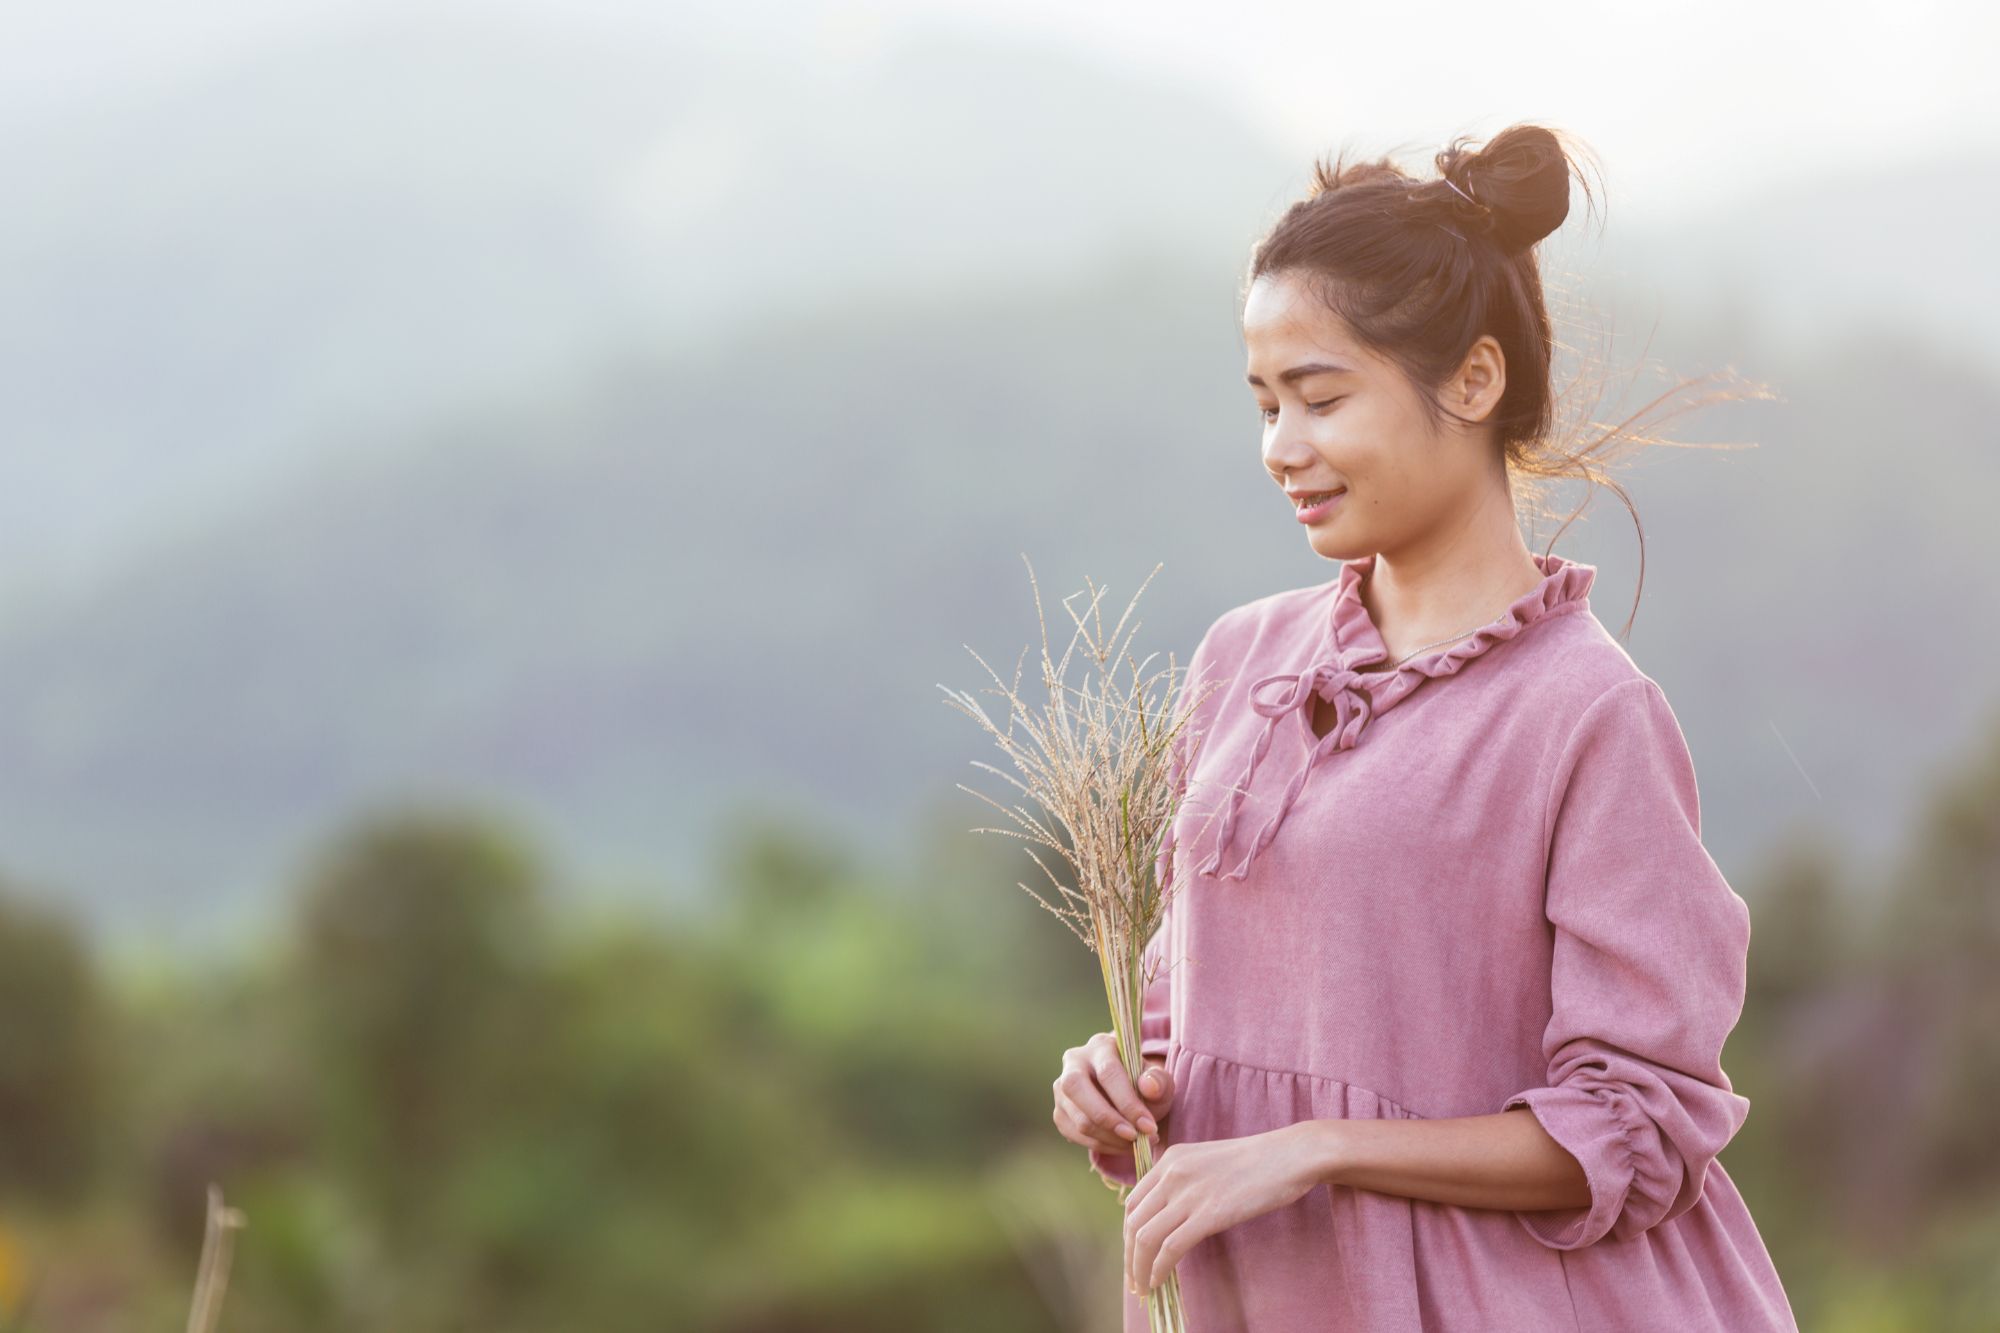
(1434, 1041)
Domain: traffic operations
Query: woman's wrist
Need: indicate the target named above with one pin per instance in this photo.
(1322, 1150)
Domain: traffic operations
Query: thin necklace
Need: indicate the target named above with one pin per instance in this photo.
(1453, 639)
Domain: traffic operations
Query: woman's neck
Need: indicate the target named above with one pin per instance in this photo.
(1415, 602)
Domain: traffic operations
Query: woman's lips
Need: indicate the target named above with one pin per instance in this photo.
(1318, 510)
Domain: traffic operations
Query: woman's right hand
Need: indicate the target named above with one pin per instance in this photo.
(1096, 1104)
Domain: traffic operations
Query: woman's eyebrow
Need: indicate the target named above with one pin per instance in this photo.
(1300, 372)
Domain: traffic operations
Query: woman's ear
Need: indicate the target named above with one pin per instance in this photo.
(1475, 392)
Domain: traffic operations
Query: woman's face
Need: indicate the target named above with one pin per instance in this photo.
(1338, 418)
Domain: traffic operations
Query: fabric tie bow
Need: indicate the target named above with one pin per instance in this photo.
(1288, 692)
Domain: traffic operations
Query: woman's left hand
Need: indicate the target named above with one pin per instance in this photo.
(1196, 1189)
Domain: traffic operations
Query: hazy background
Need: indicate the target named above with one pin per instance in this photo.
(607, 425)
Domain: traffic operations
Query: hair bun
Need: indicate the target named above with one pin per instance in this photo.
(1517, 185)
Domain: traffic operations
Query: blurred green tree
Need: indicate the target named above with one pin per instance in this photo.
(1943, 935)
(420, 939)
(52, 1048)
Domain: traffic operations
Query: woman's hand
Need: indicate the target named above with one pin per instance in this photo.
(1197, 1189)
(1096, 1104)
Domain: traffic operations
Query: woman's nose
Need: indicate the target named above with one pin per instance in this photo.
(1285, 451)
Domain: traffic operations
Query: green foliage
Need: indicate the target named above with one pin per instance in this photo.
(443, 1104)
(418, 951)
(51, 1048)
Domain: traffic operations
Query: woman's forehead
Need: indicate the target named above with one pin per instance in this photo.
(1289, 314)
(1281, 351)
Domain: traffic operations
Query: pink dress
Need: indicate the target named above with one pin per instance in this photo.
(1485, 888)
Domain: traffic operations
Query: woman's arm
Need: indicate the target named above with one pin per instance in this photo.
(1505, 1160)
(1201, 1187)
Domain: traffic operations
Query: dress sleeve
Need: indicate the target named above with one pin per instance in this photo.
(1121, 1168)
(1650, 952)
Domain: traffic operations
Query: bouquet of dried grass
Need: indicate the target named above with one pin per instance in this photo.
(1106, 763)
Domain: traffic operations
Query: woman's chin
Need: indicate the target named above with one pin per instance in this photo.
(1334, 545)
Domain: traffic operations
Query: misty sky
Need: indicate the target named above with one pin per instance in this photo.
(1683, 102)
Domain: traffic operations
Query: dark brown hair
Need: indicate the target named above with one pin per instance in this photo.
(1420, 269)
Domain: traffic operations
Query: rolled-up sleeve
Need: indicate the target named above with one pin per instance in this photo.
(1650, 946)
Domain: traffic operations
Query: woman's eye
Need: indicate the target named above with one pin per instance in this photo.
(1268, 413)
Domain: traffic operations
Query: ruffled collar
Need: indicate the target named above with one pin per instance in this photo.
(1340, 674)
(1357, 643)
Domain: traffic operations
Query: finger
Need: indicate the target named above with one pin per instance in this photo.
(1176, 1244)
(1066, 1126)
(1147, 1234)
(1143, 1203)
(1156, 1085)
(1117, 1086)
(1093, 1114)
(1077, 1131)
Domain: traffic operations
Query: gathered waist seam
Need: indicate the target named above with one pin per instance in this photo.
(1294, 1073)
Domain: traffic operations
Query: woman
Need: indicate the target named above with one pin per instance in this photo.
(1434, 1038)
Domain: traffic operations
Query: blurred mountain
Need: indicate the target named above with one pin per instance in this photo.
(318, 240)
(741, 575)
(332, 238)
